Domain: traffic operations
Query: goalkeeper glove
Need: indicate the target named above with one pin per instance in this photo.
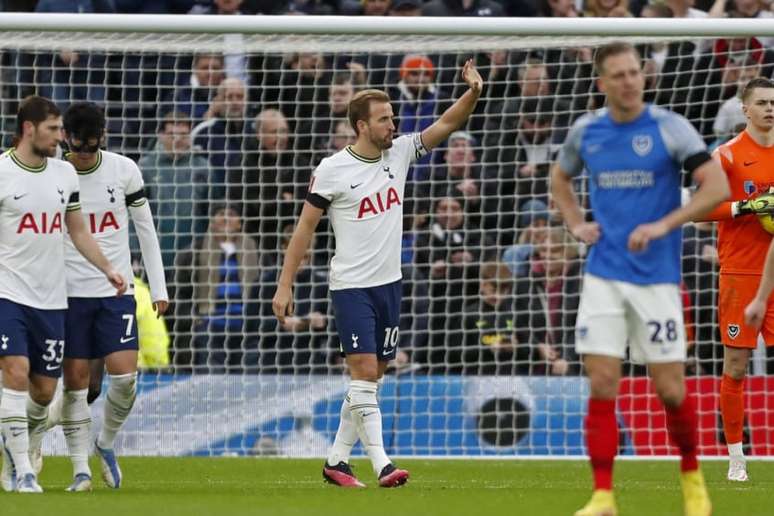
(763, 204)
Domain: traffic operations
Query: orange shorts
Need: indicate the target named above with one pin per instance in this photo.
(736, 292)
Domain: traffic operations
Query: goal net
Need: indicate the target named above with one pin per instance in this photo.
(227, 124)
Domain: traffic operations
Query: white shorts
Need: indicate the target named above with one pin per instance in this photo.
(648, 318)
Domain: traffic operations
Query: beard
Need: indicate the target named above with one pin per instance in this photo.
(383, 144)
(42, 152)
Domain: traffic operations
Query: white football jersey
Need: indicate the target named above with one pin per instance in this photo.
(107, 190)
(33, 204)
(364, 199)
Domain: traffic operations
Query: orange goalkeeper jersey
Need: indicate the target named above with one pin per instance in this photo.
(742, 242)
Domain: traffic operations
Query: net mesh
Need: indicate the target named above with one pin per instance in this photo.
(234, 124)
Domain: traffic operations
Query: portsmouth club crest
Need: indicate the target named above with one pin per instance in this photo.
(642, 144)
(733, 331)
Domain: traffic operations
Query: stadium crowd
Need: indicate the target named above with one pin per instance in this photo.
(227, 143)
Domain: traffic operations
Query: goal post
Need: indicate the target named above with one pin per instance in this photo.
(227, 116)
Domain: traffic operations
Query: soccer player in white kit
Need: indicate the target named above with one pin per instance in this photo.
(362, 188)
(39, 199)
(99, 325)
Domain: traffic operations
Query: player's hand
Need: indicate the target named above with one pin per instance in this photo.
(160, 307)
(117, 281)
(764, 203)
(282, 304)
(471, 77)
(587, 232)
(754, 313)
(644, 233)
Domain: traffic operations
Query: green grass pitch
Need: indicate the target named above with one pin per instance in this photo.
(194, 486)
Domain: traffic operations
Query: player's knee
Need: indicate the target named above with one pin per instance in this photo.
(735, 367)
(604, 385)
(671, 394)
(16, 374)
(124, 385)
(76, 375)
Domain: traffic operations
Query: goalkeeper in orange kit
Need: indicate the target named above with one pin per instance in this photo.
(742, 246)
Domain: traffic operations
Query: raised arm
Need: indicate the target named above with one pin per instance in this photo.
(88, 247)
(455, 116)
(282, 304)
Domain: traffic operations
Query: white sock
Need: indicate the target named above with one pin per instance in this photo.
(36, 423)
(13, 421)
(55, 411)
(118, 403)
(368, 421)
(346, 436)
(76, 426)
(735, 451)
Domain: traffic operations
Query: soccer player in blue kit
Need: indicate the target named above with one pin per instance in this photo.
(633, 154)
(362, 189)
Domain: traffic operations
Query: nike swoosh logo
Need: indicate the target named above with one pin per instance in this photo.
(355, 186)
(17, 197)
(386, 352)
(124, 340)
(748, 163)
(49, 367)
(16, 434)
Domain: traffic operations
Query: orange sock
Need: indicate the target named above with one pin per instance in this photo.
(732, 408)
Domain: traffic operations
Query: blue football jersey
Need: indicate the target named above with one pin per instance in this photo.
(634, 171)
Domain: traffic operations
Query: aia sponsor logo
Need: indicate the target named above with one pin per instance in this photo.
(378, 203)
(754, 187)
(99, 223)
(40, 223)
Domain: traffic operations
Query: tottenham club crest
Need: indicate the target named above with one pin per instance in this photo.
(642, 144)
(733, 331)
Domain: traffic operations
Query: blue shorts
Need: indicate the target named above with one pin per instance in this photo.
(98, 326)
(37, 334)
(368, 319)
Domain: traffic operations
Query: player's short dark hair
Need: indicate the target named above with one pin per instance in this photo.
(84, 120)
(34, 109)
(752, 84)
(360, 105)
(612, 49)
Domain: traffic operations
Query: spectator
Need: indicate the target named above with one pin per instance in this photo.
(154, 6)
(340, 93)
(448, 253)
(406, 8)
(462, 8)
(302, 95)
(558, 8)
(533, 221)
(730, 114)
(235, 62)
(213, 280)
(505, 115)
(607, 8)
(418, 101)
(547, 302)
(743, 9)
(459, 175)
(196, 95)
(176, 183)
(343, 135)
(70, 76)
(269, 187)
(489, 341)
(222, 135)
(300, 345)
(523, 169)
